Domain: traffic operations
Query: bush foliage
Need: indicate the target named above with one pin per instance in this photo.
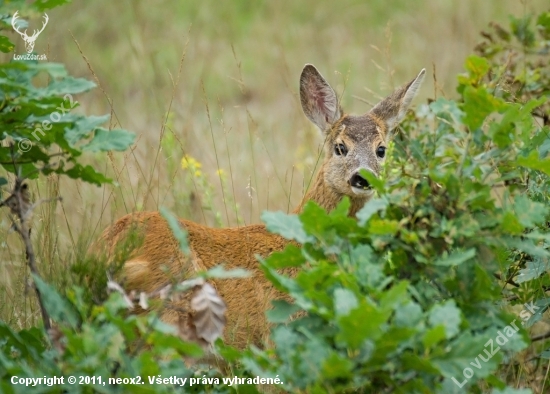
(433, 288)
(40, 131)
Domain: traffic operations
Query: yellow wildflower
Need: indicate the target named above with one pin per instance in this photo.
(189, 162)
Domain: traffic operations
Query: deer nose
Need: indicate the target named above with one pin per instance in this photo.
(359, 182)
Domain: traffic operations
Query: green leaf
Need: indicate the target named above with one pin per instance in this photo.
(434, 335)
(408, 315)
(342, 209)
(442, 106)
(477, 67)
(56, 70)
(179, 233)
(42, 5)
(503, 133)
(289, 226)
(337, 367)
(86, 173)
(368, 272)
(528, 246)
(219, 272)
(159, 325)
(478, 104)
(532, 161)
(370, 208)
(383, 227)
(29, 343)
(58, 307)
(5, 44)
(34, 339)
(83, 127)
(418, 363)
(67, 85)
(291, 256)
(396, 295)
(280, 281)
(363, 322)
(539, 307)
(315, 219)
(455, 258)
(533, 269)
(529, 213)
(446, 315)
(172, 342)
(374, 181)
(344, 301)
(465, 350)
(522, 30)
(106, 140)
(281, 312)
(510, 223)
(543, 24)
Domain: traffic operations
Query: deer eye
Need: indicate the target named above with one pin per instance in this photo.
(381, 152)
(340, 149)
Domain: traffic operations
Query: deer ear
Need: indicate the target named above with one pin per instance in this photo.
(393, 108)
(319, 101)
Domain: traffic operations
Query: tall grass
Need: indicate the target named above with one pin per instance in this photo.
(218, 82)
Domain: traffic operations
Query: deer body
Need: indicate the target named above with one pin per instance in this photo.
(352, 143)
(235, 247)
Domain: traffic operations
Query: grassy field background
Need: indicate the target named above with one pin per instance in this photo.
(217, 82)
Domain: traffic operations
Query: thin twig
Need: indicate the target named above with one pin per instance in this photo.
(509, 281)
(31, 260)
(540, 337)
(31, 161)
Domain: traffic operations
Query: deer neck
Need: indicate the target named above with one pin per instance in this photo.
(326, 197)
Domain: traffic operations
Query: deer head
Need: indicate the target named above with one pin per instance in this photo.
(29, 41)
(352, 142)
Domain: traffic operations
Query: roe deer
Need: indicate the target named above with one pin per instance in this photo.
(352, 143)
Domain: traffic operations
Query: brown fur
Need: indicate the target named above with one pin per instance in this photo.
(158, 260)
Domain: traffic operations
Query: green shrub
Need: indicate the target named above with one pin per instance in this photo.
(411, 296)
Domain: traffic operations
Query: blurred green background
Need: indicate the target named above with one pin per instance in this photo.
(218, 80)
